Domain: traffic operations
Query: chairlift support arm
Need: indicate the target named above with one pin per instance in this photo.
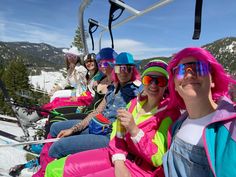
(82, 7)
(97, 23)
(135, 13)
(197, 20)
(93, 26)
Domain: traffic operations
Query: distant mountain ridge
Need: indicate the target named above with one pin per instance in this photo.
(44, 55)
(225, 52)
(33, 54)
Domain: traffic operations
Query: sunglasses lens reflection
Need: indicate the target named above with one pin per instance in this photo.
(123, 68)
(103, 64)
(198, 68)
(70, 56)
(161, 81)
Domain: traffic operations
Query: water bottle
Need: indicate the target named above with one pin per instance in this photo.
(73, 91)
(79, 109)
(120, 129)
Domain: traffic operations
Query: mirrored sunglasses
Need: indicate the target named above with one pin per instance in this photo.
(198, 68)
(103, 64)
(123, 68)
(160, 81)
(68, 55)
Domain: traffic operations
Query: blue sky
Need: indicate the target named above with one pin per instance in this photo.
(161, 32)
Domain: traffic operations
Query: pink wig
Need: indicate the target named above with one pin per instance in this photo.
(135, 76)
(219, 77)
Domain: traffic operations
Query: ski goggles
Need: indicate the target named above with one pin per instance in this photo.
(123, 68)
(104, 64)
(198, 68)
(160, 81)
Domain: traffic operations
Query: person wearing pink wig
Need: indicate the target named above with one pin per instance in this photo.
(204, 137)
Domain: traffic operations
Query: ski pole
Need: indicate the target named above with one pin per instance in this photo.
(30, 142)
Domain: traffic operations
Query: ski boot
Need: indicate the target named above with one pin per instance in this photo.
(27, 117)
(33, 148)
(16, 170)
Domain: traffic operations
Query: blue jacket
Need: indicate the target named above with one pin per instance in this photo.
(119, 99)
(219, 139)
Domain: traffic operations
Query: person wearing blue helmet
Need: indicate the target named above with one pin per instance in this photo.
(106, 54)
(84, 135)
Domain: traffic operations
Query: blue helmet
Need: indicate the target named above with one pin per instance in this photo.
(106, 54)
(125, 58)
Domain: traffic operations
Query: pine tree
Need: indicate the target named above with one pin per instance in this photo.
(77, 39)
(2, 100)
(16, 76)
(16, 79)
(1, 68)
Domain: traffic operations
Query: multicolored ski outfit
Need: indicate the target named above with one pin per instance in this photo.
(219, 140)
(142, 154)
(115, 98)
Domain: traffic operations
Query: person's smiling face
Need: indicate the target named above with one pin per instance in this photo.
(90, 64)
(191, 85)
(71, 58)
(105, 67)
(152, 89)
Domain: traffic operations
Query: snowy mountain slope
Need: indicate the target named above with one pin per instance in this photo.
(46, 80)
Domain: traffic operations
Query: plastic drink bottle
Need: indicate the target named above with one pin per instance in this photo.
(120, 129)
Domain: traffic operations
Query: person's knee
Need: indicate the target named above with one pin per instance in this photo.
(55, 129)
(59, 149)
(54, 150)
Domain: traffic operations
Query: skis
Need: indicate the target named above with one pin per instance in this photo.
(11, 136)
(8, 119)
(4, 172)
(30, 142)
(22, 140)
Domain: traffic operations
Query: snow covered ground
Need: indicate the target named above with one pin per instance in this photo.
(11, 156)
(46, 80)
